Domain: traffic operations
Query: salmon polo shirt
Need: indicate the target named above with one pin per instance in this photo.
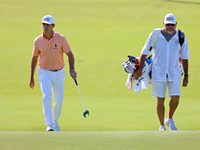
(51, 51)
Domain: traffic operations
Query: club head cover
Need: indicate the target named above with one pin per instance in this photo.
(132, 59)
(129, 67)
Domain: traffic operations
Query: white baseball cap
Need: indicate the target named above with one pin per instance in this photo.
(170, 19)
(48, 19)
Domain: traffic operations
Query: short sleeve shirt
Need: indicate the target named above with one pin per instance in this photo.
(166, 57)
(51, 51)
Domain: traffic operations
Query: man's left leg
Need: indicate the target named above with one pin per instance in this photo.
(173, 104)
(58, 95)
(174, 93)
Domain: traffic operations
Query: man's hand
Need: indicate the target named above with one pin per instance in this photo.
(73, 73)
(185, 68)
(32, 83)
(33, 66)
(185, 81)
(71, 64)
(138, 73)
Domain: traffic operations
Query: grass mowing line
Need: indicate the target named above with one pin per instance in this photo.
(108, 140)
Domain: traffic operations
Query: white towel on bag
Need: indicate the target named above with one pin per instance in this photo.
(142, 82)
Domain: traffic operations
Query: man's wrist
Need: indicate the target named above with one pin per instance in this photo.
(186, 75)
(71, 70)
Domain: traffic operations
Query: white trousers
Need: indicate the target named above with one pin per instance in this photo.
(52, 82)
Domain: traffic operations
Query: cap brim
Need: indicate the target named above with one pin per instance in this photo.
(170, 22)
(45, 22)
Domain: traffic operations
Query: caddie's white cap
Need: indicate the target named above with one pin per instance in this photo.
(170, 19)
(48, 19)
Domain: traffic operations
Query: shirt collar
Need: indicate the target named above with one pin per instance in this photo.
(175, 36)
(45, 37)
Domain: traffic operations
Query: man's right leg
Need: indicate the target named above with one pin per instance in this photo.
(174, 93)
(45, 85)
(160, 107)
(158, 91)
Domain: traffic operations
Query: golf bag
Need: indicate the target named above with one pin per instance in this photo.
(132, 65)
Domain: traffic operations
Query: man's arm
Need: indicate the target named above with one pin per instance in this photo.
(33, 66)
(185, 68)
(71, 64)
(138, 73)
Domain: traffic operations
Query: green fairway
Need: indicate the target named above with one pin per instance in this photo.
(126, 140)
(101, 34)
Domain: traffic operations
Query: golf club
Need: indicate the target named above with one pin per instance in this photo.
(86, 111)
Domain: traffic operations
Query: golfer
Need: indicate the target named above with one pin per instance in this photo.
(51, 46)
(165, 69)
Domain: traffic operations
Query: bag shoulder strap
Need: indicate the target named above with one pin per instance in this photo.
(154, 37)
(181, 37)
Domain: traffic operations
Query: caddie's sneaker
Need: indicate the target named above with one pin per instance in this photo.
(172, 124)
(167, 121)
(162, 128)
(49, 128)
(56, 126)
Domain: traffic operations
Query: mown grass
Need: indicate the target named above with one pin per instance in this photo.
(129, 140)
(101, 34)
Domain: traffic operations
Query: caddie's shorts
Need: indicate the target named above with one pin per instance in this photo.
(159, 88)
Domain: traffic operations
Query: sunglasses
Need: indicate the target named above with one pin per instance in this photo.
(170, 25)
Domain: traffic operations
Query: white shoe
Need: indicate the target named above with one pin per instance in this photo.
(162, 128)
(172, 124)
(167, 121)
(56, 126)
(49, 128)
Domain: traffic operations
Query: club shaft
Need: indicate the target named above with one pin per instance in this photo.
(81, 97)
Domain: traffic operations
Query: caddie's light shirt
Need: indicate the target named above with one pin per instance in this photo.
(166, 57)
(51, 51)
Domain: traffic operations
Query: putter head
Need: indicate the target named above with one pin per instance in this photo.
(85, 113)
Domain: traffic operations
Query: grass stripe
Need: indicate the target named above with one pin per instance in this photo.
(108, 140)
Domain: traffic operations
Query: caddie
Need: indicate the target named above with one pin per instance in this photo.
(165, 69)
(51, 46)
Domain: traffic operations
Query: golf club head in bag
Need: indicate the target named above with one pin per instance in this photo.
(131, 65)
(181, 65)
